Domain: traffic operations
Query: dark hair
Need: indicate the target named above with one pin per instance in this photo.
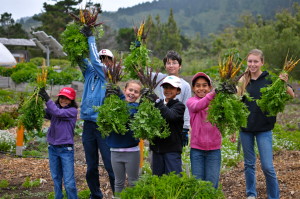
(194, 80)
(104, 58)
(72, 104)
(172, 55)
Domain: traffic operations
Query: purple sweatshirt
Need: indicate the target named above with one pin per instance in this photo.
(63, 120)
(204, 136)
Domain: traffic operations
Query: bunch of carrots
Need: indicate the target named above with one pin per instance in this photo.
(31, 111)
(275, 96)
(226, 110)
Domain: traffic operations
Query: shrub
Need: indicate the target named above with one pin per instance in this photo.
(7, 121)
(171, 186)
(7, 141)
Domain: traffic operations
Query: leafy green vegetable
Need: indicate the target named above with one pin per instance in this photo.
(171, 186)
(136, 60)
(113, 115)
(74, 43)
(148, 122)
(32, 112)
(273, 98)
(228, 113)
(32, 109)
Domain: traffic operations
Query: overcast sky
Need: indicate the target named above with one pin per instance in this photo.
(27, 8)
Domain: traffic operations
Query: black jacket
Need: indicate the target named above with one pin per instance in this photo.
(257, 120)
(173, 113)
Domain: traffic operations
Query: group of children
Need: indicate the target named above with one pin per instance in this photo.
(205, 139)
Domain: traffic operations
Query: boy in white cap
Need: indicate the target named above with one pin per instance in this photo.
(166, 156)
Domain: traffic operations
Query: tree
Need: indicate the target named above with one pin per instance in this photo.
(124, 38)
(163, 37)
(55, 18)
(10, 29)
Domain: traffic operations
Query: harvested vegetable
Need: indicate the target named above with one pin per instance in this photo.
(226, 110)
(274, 96)
(138, 57)
(73, 41)
(113, 114)
(32, 109)
(147, 122)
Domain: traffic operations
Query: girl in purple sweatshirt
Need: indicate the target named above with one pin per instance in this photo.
(63, 115)
(205, 138)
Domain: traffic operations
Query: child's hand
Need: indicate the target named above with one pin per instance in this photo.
(284, 77)
(232, 138)
(44, 94)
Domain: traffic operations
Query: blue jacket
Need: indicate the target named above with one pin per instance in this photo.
(94, 84)
(115, 140)
(63, 120)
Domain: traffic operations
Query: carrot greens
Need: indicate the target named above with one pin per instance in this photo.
(275, 96)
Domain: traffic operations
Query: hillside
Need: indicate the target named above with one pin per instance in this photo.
(197, 16)
(192, 16)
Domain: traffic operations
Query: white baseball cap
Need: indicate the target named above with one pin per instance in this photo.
(173, 80)
(106, 52)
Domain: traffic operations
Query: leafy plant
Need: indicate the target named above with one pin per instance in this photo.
(74, 43)
(7, 120)
(32, 109)
(4, 184)
(148, 122)
(226, 110)
(171, 186)
(31, 183)
(274, 97)
(113, 115)
(7, 141)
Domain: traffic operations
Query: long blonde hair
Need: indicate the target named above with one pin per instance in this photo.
(245, 79)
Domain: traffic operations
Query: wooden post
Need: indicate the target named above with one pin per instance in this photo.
(19, 141)
(141, 144)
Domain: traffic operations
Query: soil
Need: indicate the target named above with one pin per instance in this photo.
(287, 165)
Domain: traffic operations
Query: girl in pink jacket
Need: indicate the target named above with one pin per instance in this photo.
(205, 138)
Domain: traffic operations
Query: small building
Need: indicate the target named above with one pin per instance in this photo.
(19, 55)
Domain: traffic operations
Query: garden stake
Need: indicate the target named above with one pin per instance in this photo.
(19, 141)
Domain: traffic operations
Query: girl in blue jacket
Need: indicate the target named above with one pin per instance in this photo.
(125, 151)
(63, 116)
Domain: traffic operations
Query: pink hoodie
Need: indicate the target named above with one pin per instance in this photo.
(204, 136)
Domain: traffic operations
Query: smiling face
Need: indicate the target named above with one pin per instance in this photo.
(172, 67)
(132, 92)
(254, 63)
(64, 101)
(170, 92)
(201, 87)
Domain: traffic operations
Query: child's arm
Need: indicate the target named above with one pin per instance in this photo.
(174, 113)
(64, 113)
(196, 105)
(97, 65)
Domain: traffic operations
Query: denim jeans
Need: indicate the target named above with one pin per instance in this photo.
(92, 143)
(264, 144)
(206, 165)
(61, 160)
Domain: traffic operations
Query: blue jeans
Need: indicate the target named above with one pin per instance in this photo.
(264, 144)
(61, 160)
(206, 165)
(165, 163)
(92, 143)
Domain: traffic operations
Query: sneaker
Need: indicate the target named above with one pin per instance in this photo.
(251, 197)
